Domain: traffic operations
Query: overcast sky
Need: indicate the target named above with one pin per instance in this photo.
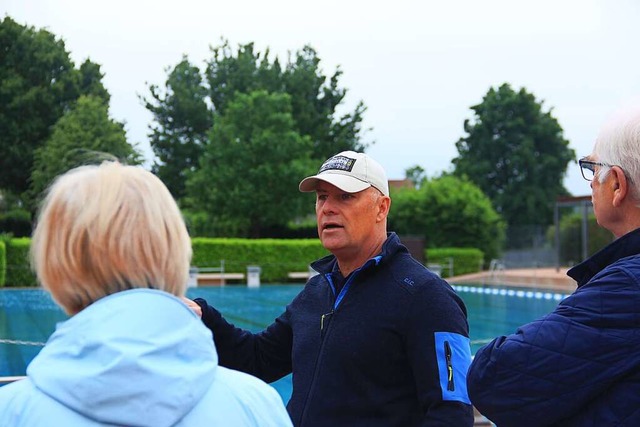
(417, 65)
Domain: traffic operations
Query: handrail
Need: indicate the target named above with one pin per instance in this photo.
(210, 269)
(22, 342)
(7, 380)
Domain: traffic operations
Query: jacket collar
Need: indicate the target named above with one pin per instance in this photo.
(625, 246)
(389, 247)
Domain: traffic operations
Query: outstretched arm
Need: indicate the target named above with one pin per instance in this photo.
(266, 355)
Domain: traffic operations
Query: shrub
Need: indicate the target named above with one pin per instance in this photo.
(465, 260)
(3, 263)
(275, 257)
(18, 269)
(17, 222)
(448, 211)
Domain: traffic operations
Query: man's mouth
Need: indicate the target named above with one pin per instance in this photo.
(331, 226)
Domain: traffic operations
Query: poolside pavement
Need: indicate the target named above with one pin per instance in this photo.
(545, 278)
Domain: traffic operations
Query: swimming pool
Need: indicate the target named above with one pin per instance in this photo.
(28, 317)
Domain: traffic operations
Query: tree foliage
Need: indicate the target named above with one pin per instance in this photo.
(416, 174)
(250, 170)
(182, 122)
(83, 135)
(515, 152)
(90, 81)
(187, 108)
(314, 96)
(314, 100)
(38, 83)
(448, 212)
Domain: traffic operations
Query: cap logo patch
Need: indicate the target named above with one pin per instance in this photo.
(340, 163)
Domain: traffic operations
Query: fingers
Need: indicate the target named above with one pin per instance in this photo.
(193, 306)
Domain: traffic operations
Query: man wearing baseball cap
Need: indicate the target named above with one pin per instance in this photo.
(375, 339)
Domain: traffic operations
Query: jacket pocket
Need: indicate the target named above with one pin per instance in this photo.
(453, 354)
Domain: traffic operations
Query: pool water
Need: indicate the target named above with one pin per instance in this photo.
(28, 317)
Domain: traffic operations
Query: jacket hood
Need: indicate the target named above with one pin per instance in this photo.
(137, 358)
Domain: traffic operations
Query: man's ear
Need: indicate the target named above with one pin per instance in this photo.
(384, 203)
(620, 185)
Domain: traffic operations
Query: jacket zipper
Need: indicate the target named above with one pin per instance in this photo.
(322, 320)
(323, 329)
(447, 355)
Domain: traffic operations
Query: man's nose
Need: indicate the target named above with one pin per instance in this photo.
(328, 206)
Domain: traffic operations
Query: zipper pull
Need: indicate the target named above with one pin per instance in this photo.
(322, 319)
(447, 355)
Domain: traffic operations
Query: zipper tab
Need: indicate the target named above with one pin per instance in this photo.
(322, 319)
(447, 355)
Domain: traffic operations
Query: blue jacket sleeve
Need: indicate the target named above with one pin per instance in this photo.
(439, 352)
(552, 368)
(266, 355)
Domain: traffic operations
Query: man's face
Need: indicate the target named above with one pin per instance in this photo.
(347, 221)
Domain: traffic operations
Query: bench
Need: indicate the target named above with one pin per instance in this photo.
(298, 275)
(217, 278)
(215, 275)
(301, 275)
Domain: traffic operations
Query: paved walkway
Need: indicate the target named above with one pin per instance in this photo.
(546, 278)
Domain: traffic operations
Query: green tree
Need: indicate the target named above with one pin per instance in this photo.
(515, 152)
(182, 122)
(90, 81)
(249, 171)
(416, 174)
(448, 212)
(83, 135)
(38, 83)
(314, 96)
(244, 71)
(314, 100)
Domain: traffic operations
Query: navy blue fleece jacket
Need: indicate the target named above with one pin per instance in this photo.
(390, 349)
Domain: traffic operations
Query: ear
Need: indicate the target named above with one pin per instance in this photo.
(384, 203)
(620, 186)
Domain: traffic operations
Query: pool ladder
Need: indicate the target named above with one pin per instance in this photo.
(496, 268)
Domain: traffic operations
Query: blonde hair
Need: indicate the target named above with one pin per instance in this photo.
(105, 229)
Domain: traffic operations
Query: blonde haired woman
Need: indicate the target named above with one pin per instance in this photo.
(112, 249)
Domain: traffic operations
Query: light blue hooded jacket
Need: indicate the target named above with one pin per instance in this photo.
(136, 358)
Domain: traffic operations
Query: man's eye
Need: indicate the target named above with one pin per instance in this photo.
(347, 196)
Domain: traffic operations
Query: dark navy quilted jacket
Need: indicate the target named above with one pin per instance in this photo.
(578, 366)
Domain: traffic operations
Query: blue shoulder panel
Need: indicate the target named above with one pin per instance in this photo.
(453, 354)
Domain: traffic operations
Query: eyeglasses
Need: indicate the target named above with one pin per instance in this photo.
(588, 168)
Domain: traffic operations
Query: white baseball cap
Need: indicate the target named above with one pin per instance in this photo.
(349, 171)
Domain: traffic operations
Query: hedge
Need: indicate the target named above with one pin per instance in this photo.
(275, 257)
(18, 269)
(3, 263)
(465, 260)
(17, 222)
